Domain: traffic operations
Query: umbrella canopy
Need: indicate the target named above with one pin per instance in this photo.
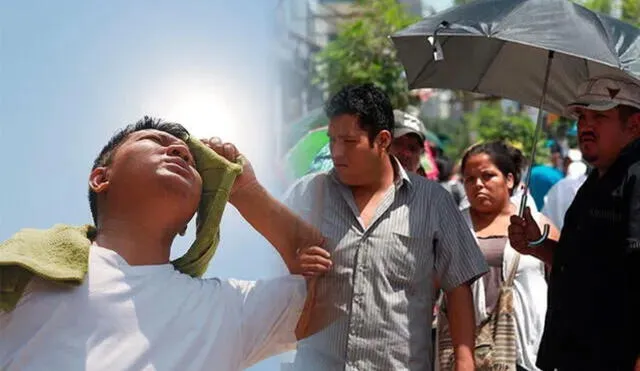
(301, 156)
(501, 48)
(314, 119)
(536, 52)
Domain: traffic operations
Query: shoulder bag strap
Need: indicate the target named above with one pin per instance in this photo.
(514, 269)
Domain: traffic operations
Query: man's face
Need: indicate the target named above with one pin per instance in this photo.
(408, 149)
(152, 163)
(602, 135)
(354, 157)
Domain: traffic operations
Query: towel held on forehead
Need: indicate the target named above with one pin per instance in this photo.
(61, 254)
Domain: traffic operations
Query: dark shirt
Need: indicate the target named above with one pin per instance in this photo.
(593, 312)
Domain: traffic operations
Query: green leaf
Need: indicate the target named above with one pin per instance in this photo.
(362, 51)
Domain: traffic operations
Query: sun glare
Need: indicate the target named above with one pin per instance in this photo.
(204, 115)
(209, 108)
(204, 112)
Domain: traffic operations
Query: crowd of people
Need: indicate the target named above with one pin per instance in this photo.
(371, 246)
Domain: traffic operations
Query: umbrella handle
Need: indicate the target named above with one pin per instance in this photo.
(540, 241)
(545, 229)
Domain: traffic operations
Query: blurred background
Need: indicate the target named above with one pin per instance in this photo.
(325, 44)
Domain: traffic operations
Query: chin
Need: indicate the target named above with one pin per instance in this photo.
(349, 179)
(182, 188)
(483, 206)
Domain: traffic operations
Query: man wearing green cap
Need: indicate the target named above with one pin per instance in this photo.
(133, 310)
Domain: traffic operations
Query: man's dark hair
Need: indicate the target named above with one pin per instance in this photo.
(370, 104)
(107, 152)
(505, 157)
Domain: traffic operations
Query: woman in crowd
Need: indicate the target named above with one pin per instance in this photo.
(490, 173)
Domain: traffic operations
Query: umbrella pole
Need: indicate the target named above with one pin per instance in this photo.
(532, 158)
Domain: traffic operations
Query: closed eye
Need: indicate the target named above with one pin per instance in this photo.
(154, 138)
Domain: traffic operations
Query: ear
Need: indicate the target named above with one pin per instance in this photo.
(510, 181)
(633, 124)
(383, 139)
(98, 180)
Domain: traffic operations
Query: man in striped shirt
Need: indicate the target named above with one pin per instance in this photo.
(391, 234)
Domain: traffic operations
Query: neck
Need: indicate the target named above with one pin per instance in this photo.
(602, 171)
(602, 168)
(383, 175)
(487, 217)
(137, 243)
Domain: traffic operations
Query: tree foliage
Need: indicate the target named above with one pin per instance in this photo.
(490, 122)
(630, 9)
(362, 51)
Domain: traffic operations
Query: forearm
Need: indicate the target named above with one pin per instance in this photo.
(462, 325)
(278, 224)
(305, 325)
(545, 251)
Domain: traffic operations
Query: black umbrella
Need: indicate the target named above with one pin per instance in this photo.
(536, 52)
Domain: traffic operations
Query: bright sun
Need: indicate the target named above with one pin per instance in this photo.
(202, 111)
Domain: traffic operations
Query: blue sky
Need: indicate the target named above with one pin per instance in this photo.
(73, 72)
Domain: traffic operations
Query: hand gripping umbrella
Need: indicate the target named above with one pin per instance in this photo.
(536, 52)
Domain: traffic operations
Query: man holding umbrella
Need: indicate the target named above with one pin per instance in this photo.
(593, 317)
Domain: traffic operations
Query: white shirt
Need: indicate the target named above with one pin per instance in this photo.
(529, 300)
(560, 197)
(126, 317)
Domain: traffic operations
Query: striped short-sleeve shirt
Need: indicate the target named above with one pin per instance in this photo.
(381, 284)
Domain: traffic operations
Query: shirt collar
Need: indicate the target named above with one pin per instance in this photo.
(400, 175)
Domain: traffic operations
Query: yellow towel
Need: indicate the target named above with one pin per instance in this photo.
(61, 254)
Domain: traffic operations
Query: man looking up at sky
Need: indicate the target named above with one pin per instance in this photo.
(133, 310)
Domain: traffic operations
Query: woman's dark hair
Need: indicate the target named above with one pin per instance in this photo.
(507, 158)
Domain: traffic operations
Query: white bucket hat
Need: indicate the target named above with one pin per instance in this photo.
(605, 93)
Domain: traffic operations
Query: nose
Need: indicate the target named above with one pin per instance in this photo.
(406, 152)
(584, 124)
(477, 184)
(336, 150)
(180, 150)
